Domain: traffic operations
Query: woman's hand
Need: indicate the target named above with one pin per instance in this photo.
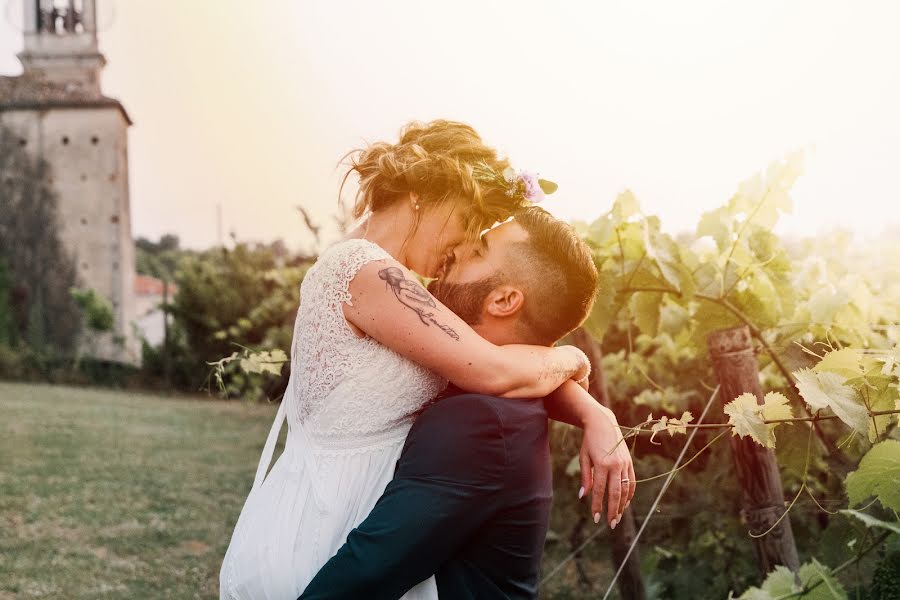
(605, 463)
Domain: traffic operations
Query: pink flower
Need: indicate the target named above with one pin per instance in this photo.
(533, 191)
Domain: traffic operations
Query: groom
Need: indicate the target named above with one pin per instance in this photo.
(470, 498)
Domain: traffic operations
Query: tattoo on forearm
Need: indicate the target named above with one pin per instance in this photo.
(413, 296)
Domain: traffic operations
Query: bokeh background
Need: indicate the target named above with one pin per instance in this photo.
(729, 164)
(252, 106)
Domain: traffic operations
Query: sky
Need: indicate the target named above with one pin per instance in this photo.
(251, 104)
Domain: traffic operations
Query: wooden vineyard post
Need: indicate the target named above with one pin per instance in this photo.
(762, 497)
(631, 585)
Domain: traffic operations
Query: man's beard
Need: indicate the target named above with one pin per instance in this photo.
(465, 299)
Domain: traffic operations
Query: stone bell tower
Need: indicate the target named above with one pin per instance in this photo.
(58, 111)
(61, 42)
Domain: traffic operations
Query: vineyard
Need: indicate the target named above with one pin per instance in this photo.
(789, 350)
(155, 242)
(818, 418)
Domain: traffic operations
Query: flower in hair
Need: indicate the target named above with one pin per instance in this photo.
(522, 184)
(533, 190)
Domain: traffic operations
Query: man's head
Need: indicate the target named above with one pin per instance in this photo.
(531, 280)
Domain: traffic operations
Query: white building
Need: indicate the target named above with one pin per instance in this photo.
(151, 294)
(59, 113)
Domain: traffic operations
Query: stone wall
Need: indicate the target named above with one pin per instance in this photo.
(86, 148)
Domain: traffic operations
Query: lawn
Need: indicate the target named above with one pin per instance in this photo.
(115, 494)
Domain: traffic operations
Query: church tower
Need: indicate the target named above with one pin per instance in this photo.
(61, 42)
(58, 111)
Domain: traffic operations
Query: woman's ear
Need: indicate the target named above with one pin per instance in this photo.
(505, 301)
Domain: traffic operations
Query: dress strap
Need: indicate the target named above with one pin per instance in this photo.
(269, 449)
(304, 448)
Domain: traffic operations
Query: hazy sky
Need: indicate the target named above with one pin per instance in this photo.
(250, 104)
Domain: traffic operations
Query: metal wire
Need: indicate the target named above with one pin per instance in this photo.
(659, 496)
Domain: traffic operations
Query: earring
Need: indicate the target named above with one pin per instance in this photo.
(416, 206)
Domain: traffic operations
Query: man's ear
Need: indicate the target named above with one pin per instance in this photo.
(505, 301)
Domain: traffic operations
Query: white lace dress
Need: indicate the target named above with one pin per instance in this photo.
(349, 405)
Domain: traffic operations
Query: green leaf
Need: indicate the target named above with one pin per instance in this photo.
(547, 186)
(664, 251)
(890, 361)
(871, 521)
(827, 586)
(764, 306)
(746, 416)
(824, 305)
(250, 364)
(878, 475)
(708, 279)
(602, 231)
(717, 224)
(827, 390)
(776, 406)
(678, 425)
(673, 317)
(709, 317)
(605, 306)
(792, 451)
(780, 583)
(263, 362)
(882, 397)
(763, 199)
(846, 362)
(645, 307)
(625, 206)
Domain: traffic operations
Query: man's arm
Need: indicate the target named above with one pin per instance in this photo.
(447, 485)
(578, 408)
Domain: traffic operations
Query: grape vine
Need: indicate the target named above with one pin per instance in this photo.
(735, 271)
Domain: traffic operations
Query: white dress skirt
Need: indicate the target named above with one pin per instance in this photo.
(349, 405)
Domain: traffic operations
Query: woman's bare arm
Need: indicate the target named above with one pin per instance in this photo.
(391, 306)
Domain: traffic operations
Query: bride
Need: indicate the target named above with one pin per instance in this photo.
(371, 346)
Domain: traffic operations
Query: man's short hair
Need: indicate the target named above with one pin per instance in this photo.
(556, 269)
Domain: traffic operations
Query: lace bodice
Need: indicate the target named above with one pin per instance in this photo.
(343, 384)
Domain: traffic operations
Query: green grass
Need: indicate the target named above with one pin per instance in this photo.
(115, 494)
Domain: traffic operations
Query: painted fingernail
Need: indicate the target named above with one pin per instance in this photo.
(581, 493)
(615, 522)
(596, 517)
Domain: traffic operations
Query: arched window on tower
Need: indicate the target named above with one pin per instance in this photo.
(60, 16)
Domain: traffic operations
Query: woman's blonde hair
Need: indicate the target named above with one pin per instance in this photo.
(434, 160)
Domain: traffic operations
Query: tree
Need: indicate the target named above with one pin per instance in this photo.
(6, 316)
(41, 272)
(159, 259)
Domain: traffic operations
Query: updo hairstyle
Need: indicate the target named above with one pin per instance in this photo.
(434, 160)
